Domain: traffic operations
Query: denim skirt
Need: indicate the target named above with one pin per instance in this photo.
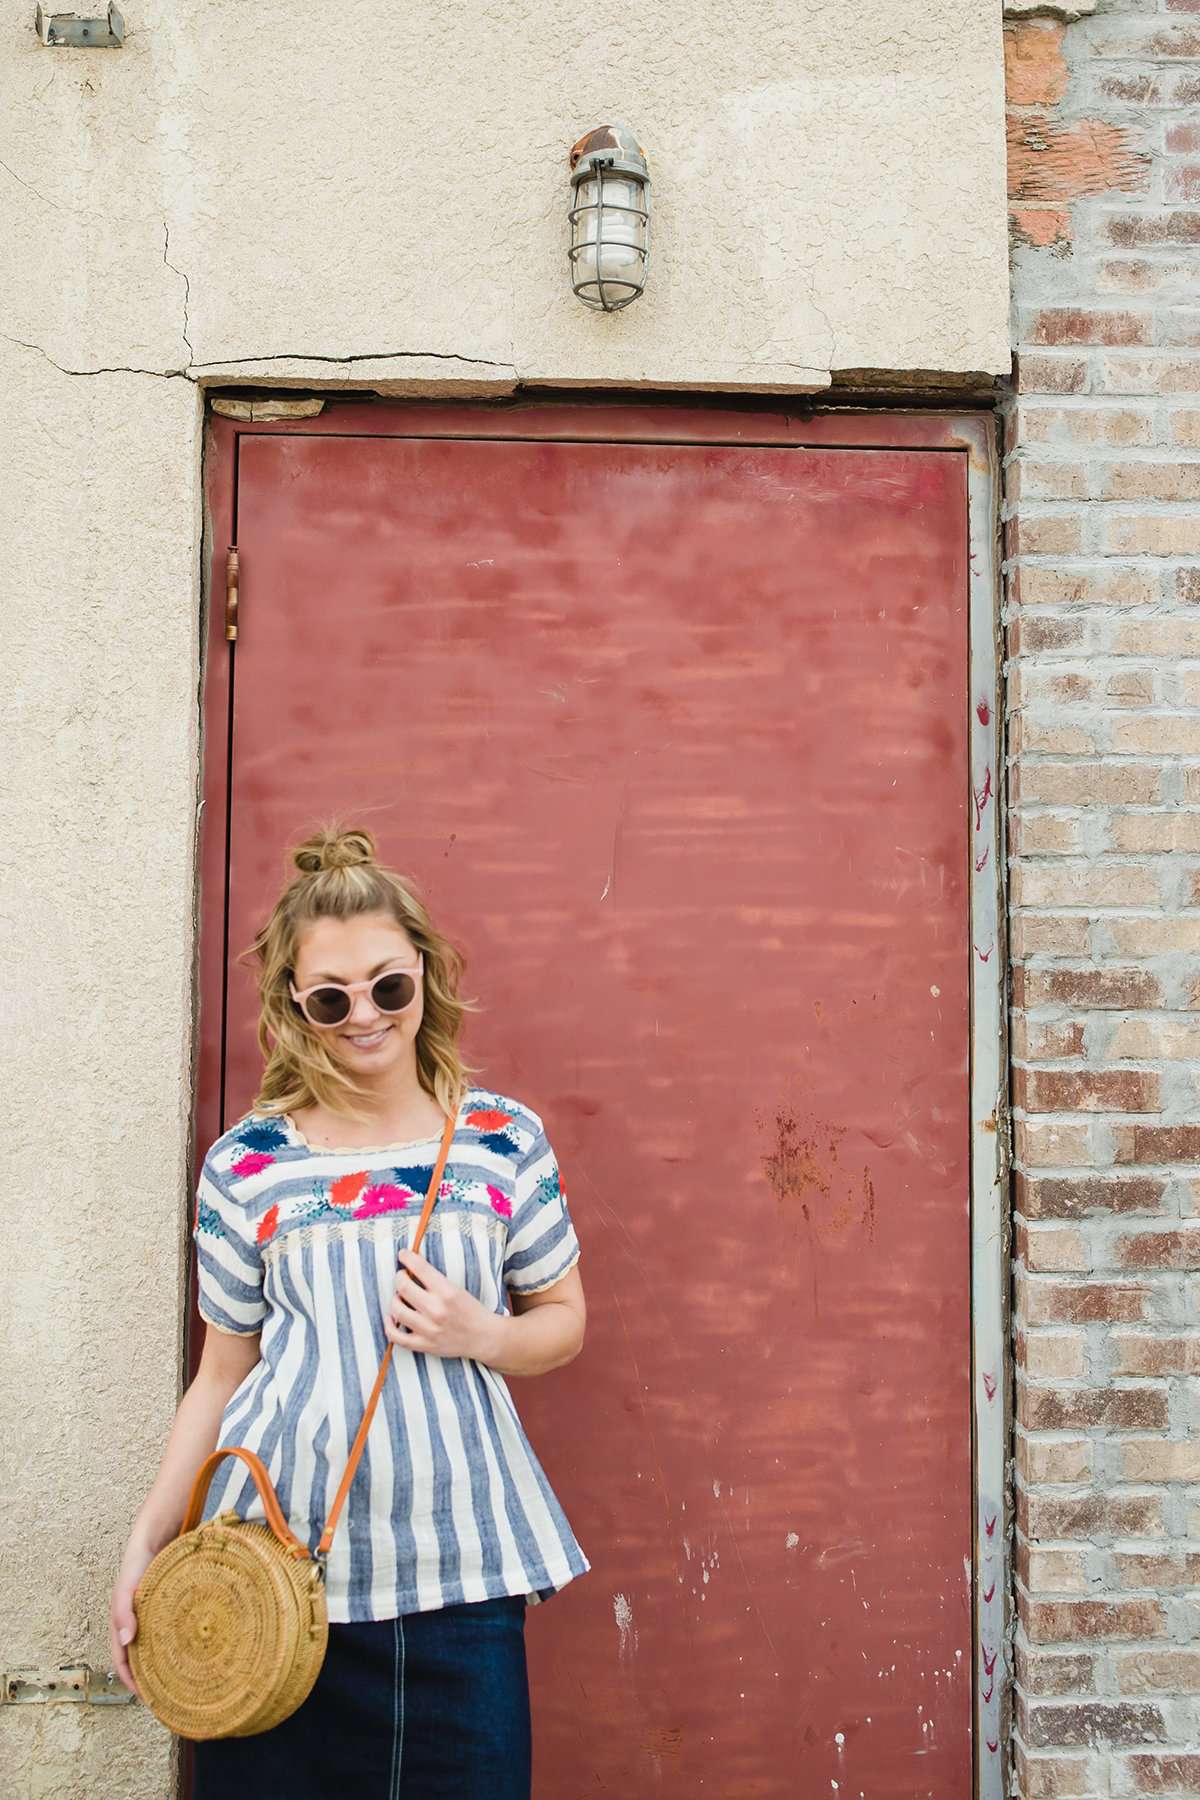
(429, 1706)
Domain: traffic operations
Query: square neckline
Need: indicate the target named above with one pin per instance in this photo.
(433, 1137)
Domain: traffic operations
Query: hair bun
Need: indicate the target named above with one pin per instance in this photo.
(334, 850)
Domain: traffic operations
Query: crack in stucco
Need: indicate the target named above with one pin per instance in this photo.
(186, 372)
(187, 289)
(30, 189)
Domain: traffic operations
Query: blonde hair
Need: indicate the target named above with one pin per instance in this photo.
(339, 878)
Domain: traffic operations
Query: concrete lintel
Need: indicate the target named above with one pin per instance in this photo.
(1066, 10)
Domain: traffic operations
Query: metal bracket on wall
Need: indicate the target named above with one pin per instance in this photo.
(74, 1681)
(75, 31)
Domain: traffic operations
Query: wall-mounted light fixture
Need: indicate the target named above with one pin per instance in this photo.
(610, 217)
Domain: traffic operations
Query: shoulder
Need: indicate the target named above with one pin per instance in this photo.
(248, 1147)
(503, 1121)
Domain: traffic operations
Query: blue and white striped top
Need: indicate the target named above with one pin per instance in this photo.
(449, 1502)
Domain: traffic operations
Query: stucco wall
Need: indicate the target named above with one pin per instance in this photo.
(291, 194)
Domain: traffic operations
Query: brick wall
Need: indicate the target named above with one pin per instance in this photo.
(1102, 580)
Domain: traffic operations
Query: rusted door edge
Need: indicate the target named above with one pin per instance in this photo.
(973, 435)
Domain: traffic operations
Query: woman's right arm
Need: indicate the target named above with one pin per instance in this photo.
(225, 1361)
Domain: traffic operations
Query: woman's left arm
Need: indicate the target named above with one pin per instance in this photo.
(430, 1313)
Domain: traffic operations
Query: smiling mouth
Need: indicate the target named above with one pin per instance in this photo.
(367, 1040)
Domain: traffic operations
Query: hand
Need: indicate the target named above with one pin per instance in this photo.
(430, 1313)
(122, 1620)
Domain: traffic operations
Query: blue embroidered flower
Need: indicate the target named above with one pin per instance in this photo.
(547, 1187)
(209, 1220)
(499, 1141)
(262, 1134)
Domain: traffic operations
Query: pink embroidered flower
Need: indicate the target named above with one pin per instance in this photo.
(382, 1198)
(500, 1202)
(252, 1162)
(268, 1222)
(445, 1191)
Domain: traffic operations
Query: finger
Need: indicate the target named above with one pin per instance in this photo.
(420, 1267)
(405, 1288)
(402, 1314)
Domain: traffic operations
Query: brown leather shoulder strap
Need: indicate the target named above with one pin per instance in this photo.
(356, 1448)
(262, 1481)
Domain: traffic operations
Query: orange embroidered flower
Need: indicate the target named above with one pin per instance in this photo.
(489, 1118)
(347, 1188)
(267, 1224)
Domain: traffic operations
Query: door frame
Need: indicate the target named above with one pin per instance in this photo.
(706, 419)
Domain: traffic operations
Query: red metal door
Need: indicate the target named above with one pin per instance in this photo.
(673, 736)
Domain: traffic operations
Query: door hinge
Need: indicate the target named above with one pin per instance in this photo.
(231, 592)
(74, 1681)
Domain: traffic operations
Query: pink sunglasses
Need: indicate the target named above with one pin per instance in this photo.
(330, 1003)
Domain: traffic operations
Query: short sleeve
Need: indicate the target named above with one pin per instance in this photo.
(542, 1245)
(229, 1267)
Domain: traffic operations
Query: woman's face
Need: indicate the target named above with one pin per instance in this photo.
(358, 949)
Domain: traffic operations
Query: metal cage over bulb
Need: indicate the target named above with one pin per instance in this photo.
(610, 218)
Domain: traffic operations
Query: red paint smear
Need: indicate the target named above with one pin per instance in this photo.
(989, 1662)
(983, 712)
(987, 1594)
(989, 1525)
(982, 799)
(989, 1386)
(982, 863)
(985, 1697)
(993, 1747)
(984, 955)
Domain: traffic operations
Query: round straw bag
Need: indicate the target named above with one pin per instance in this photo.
(232, 1624)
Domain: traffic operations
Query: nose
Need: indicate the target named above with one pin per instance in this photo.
(363, 1015)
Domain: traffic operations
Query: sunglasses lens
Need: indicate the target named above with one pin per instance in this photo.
(328, 1006)
(392, 993)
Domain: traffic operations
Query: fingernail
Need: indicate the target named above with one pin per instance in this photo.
(124, 1635)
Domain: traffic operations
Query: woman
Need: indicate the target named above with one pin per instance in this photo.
(304, 1210)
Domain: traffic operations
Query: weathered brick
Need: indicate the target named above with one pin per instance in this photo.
(1052, 1302)
(1158, 1144)
(1061, 325)
(1159, 1459)
(1046, 373)
(1121, 989)
(1146, 1039)
(1049, 934)
(1150, 1353)
(1094, 884)
(1051, 1571)
(1052, 1248)
(1030, 480)
(1044, 1461)
(1030, 633)
(1068, 1621)
(1087, 783)
(1156, 833)
(1054, 1671)
(1087, 424)
(1054, 1143)
(1091, 1515)
(1044, 834)
(1153, 937)
(1035, 72)
(1174, 1772)
(1184, 426)
(1157, 1569)
(1058, 1197)
(1135, 230)
(1156, 637)
(1097, 1090)
(1157, 1671)
(1077, 1409)
(1046, 534)
(1144, 41)
(1052, 1777)
(1150, 481)
(1036, 584)
(1144, 534)
(1151, 1247)
(1076, 1722)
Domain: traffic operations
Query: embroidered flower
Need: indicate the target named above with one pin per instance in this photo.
(252, 1162)
(346, 1189)
(208, 1219)
(262, 1134)
(488, 1118)
(547, 1187)
(446, 1190)
(267, 1224)
(500, 1202)
(499, 1141)
(384, 1197)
